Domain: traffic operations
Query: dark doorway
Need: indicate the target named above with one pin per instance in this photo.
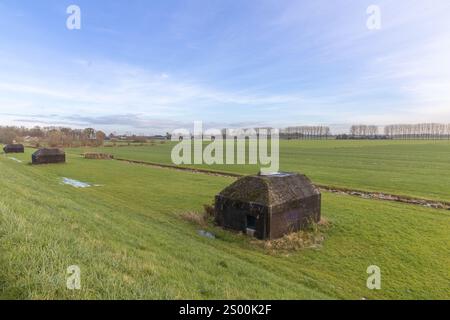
(251, 222)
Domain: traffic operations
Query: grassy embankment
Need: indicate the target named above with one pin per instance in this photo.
(130, 242)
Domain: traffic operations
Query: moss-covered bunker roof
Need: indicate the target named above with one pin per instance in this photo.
(13, 146)
(270, 190)
(49, 152)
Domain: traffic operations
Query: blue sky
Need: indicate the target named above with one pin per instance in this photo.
(149, 66)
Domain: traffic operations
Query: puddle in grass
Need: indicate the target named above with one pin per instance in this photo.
(206, 234)
(76, 183)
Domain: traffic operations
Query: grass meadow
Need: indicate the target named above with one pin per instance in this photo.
(416, 168)
(130, 241)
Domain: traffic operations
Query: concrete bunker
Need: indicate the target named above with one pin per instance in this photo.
(14, 148)
(268, 206)
(44, 156)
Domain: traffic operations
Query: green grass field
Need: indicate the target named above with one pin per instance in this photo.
(415, 168)
(129, 239)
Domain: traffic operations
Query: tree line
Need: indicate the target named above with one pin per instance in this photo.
(52, 136)
(418, 131)
(68, 137)
(361, 131)
(305, 132)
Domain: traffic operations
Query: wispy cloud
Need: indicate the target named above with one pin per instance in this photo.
(280, 63)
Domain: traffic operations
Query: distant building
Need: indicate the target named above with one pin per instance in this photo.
(268, 206)
(43, 156)
(14, 148)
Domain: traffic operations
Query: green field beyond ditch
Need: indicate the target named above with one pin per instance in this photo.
(128, 237)
(414, 168)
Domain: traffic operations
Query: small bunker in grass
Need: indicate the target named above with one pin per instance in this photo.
(98, 156)
(43, 156)
(268, 206)
(14, 148)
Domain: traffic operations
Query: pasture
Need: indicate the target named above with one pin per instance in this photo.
(416, 168)
(128, 237)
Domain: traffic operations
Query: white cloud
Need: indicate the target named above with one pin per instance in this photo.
(107, 88)
(399, 74)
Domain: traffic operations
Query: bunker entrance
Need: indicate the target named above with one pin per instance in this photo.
(251, 222)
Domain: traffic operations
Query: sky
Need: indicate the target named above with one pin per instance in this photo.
(145, 67)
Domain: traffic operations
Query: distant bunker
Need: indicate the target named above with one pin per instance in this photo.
(268, 206)
(44, 156)
(14, 148)
(98, 156)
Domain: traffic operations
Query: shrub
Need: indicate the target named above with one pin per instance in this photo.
(209, 210)
(312, 237)
(202, 219)
(195, 218)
